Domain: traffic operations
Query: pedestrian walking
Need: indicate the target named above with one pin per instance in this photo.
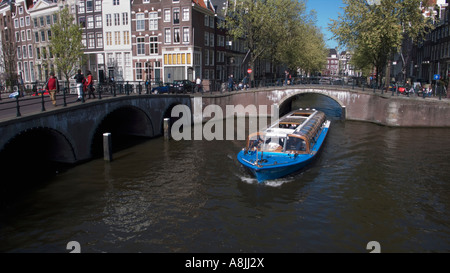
(230, 83)
(89, 85)
(52, 87)
(79, 79)
(198, 85)
(245, 82)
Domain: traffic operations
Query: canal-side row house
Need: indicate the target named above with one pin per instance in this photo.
(89, 17)
(117, 39)
(23, 38)
(188, 39)
(43, 16)
(146, 39)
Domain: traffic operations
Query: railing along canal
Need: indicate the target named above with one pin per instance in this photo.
(38, 98)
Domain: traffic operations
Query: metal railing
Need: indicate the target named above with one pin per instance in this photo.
(37, 98)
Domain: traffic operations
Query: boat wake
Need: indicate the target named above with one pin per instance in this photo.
(270, 183)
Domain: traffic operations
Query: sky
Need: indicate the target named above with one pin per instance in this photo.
(326, 9)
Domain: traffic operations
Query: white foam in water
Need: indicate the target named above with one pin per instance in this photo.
(271, 183)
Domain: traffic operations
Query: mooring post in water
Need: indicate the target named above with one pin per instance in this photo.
(275, 111)
(167, 128)
(107, 147)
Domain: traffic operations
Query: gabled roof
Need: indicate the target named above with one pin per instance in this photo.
(204, 4)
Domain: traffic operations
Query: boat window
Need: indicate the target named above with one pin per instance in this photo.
(295, 144)
(273, 144)
(255, 142)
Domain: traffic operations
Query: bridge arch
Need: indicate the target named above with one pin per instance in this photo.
(39, 144)
(123, 122)
(286, 101)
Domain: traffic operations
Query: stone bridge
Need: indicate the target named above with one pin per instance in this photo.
(357, 104)
(74, 134)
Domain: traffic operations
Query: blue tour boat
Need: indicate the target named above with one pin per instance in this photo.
(287, 146)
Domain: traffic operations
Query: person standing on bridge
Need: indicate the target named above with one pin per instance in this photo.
(89, 85)
(79, 79)
(52, 87)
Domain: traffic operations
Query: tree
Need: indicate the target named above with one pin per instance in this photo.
(66, 43)
(9, 60)
(270, 28)
(305, 46)
(375, 31)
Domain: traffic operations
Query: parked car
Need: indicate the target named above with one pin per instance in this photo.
(161, 88)
(184, 86)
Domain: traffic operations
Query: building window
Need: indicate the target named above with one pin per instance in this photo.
(32, 71)
(108, 20)
(128, 59)
(154, 45)
(140, 22)
(82, 21)
(42, 36)
(36, 37)
(99, 40)
(91, 40)
(24, 51)
(117, 37)
(126, 37)
(125, 18)
(49, 35)
(30, 51)
(167, 36)
(140, 46)
(206, 21)
(89, 6)
(206, 39)
(176, 35)
(185, 35)
(176, 15)
(153, 20)
(41, 21)
(116, 19)
(167, 15)
(211, 39)
(81, 7)
(22, 22)
(16, 23)
(98, 5)
(138, 71)
(116, 2)
(185, 14)
(27, 20)
(98, 21)
(90, 22)
(48, 20)
(108, 38)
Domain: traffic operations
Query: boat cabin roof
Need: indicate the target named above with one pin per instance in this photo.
(294, 132)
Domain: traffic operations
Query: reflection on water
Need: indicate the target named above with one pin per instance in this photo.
(370, 183)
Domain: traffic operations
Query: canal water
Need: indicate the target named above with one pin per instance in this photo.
(370, 183)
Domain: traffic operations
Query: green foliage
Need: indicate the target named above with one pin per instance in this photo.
(279, 30)
(374, 32)
(66, 43)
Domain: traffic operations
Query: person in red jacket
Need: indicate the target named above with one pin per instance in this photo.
(89, 85)
(52, 87)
